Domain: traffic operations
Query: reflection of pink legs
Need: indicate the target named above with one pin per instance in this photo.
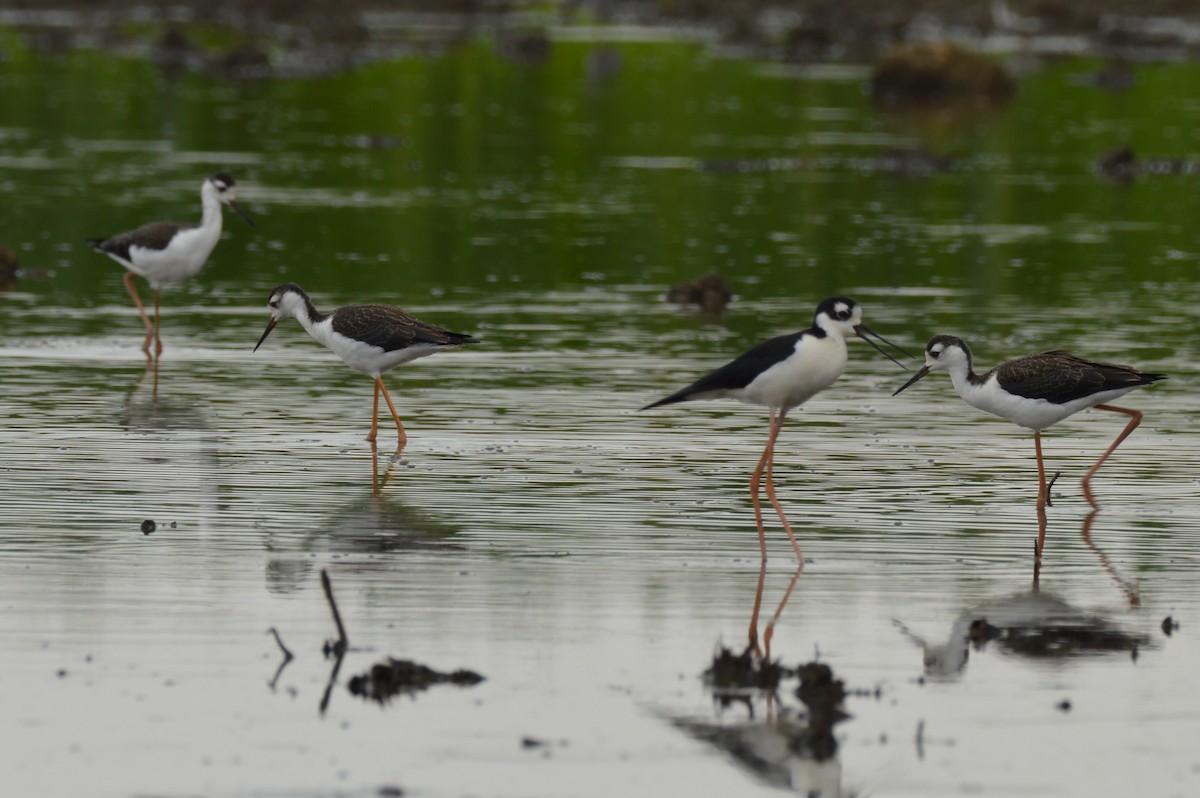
(157, 340)
(1127, 588)
(779, 611)
(1130, 427)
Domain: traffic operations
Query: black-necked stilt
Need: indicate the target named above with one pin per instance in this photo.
(371, 339)
(1038, 391)
(166, 253)
(782, 374)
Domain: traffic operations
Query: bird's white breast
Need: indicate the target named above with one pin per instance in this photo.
(813, 366)
(183, 257)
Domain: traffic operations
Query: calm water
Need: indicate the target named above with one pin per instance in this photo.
(584, 557)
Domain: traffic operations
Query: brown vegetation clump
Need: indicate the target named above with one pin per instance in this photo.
(939, 72)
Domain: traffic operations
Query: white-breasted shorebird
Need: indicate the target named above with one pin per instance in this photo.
(1038, 391)
(167, 253)
(371, 339)
(781, 374)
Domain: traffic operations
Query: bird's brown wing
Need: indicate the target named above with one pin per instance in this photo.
(1060, 377)
(391, 328)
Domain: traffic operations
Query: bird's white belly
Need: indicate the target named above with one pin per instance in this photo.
(364, 358)
(1034, 414)
(182, 259)
(816, 364)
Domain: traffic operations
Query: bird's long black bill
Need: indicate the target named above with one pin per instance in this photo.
(863, 331)
(270, 326)
(242, 213)
(920, 373)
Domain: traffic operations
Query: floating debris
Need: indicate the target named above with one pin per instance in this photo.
(149, 526)
(392, 677)
(1169, 626)
(1122, 165)
(711, 293)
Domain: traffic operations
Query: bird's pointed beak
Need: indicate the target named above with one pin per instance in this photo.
(270, 326)
(920, 373)
(241, 212)
(862, 331)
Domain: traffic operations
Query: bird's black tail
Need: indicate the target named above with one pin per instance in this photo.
(678, 396)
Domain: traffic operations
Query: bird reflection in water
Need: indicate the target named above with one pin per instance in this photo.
(358, 535)
(793, 746)
(1033, 624)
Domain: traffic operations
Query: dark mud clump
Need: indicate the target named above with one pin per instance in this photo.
(822, 695)
(730, 671)
(392, 677)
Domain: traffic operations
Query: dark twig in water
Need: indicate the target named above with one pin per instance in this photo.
(333, 674)
(343, 642)
(288, 656)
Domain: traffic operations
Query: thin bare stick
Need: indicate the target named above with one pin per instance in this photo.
(343, 641)
(287, 655)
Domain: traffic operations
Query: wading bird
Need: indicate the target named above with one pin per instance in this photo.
(371, 339)
(781, 374)
(1038, 391)
(167, 253)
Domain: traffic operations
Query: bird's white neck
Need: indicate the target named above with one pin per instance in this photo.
(211, 218)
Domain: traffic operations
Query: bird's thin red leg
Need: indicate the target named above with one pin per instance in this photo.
(374, 413)
(399, 427)
(755, 481)
(157, 340)
(137, 300)
(1043, 491)
(1136, 418)
(771, 486)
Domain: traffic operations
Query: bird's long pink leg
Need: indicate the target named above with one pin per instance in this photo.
(374, 413)
(1130, 427)
(755, 481)
(157, 340)
(137, 300)
(771, 487)
(1043, 492)
(399, 427)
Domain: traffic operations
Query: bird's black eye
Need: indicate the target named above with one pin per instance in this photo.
(274, 304)
(935, 352)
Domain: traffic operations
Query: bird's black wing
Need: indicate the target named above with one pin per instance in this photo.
(1060, 377)
(391, 328)
(155, 235)
(739, 372)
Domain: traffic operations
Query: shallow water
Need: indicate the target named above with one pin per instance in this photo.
(584, 557)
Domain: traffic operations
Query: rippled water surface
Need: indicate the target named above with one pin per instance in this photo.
(584, 557)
